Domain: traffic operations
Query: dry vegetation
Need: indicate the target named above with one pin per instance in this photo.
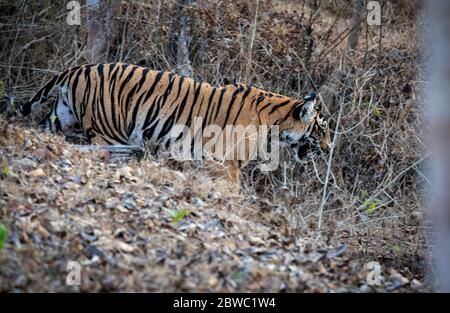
(309, 226)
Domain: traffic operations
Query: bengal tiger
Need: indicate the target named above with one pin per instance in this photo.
(118, 103)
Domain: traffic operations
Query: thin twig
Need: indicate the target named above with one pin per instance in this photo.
(330, 159)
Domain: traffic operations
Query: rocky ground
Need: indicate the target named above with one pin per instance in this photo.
(140, 226)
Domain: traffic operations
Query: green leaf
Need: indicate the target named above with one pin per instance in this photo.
(176, 216)
(6, 169)
(371, 207)
(3, 235)
(377, 112)
(179, 216)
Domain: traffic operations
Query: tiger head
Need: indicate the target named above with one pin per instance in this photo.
(304, 129)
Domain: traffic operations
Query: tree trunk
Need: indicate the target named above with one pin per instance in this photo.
(438, 97)
(356, 27)
(184, 39)
(99, 13)
(249, 67)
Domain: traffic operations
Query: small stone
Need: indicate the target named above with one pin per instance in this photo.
(66, 153)
(39, 172)
(214, 195)
(88, 236)
(111, 203)
(213, 281)
(57, 226)
(71, 185)
(65, 165)
(75, 179)
(40, 154)
(121, 208)
(53, 148)
(256, 241)
(197, 202)
(129, 195)
(129, 204)
(120, 245)
(92, 251)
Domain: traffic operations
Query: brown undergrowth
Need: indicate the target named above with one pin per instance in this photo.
(362, 201)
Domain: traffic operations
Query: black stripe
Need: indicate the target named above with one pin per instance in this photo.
(208, 107)
(137, 103)
(219, 102)
(168, 124)
(112, 79)
(121, 103)
(162, 100)
(191, 111)
(41, 95)
(260, 99)
(275, 107)
(74, 90)
(230, 105)
(194, 101)
(48, 87)
(147, 96)
(87, 92)
(247, 92)
(180, 84)
(124, 68)
(107, 129)
(149, 132)
(112, 87)
(179, 107)
(124, 83)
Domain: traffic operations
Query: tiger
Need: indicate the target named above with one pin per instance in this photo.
(118, 103)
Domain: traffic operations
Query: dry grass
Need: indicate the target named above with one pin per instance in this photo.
(366, 193)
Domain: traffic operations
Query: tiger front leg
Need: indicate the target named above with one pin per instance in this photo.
(233, 172)
(136, 138)
(228, 170)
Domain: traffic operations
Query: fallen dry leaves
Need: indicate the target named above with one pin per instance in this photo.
(59, 204)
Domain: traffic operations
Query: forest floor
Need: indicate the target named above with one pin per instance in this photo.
(141, 226)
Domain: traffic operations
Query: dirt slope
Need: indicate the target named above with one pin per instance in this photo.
(117, 220)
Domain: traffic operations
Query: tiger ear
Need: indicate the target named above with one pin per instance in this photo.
(304, 112)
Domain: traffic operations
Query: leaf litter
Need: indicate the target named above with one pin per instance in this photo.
(141, 226)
